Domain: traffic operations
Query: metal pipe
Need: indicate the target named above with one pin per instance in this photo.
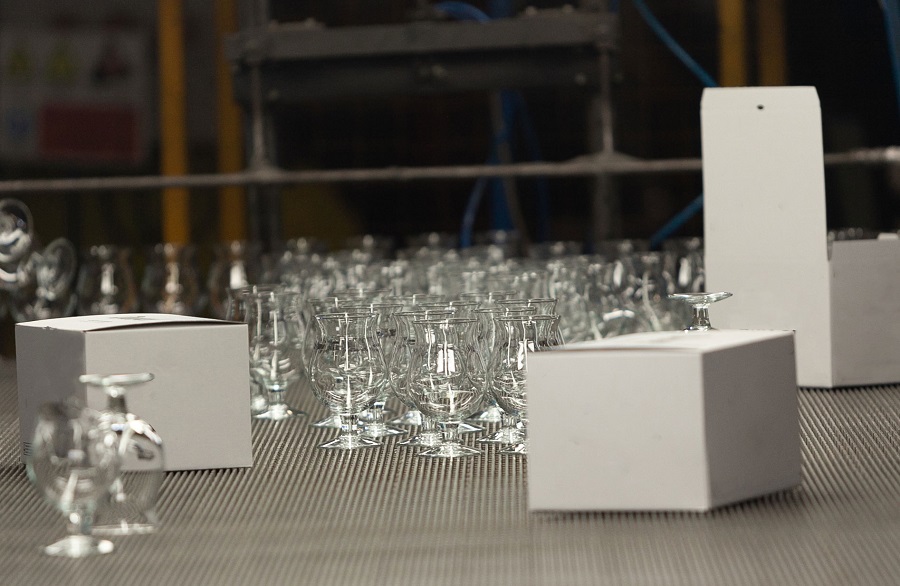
(173, 125)
(587, 165)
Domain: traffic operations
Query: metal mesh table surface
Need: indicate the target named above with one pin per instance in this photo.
(385, 516)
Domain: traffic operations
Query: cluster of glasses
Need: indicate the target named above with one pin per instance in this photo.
(101, 469)
(36, 280)
(454, 363)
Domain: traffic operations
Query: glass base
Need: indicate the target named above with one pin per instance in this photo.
(504, 436)
(79, 546)
(492, 414)
(426, 439)
(413, 418)
(330, 422)
(380, 430)
(520, 449)
(450, 450)
(469, 428)
(349, 442)
(280, 413)
(125, 527)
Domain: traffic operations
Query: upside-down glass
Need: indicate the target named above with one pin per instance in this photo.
(347, 372)
(274, 323)
(444, 379)
(131, 504)
(699, 303)
(16, 230)
(73, 464)
(44, 283)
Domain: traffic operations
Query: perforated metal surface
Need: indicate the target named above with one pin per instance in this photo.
(385, 516)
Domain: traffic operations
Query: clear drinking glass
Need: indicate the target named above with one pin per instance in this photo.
(236, 309)
(386, 329)
(487, 331)
(131, 504)
(700, 303)
(428, 435)
(171, 283)
(73, 464)
(516, 341)
(236, 265)
(444, 379)
(274, 323)
(347, 372)
(105, 282)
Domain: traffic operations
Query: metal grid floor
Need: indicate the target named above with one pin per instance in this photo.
(385, 516)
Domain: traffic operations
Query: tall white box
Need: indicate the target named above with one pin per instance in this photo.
(663, 421)
(766, 240)
(198, 401)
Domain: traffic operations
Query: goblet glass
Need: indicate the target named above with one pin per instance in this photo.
(517, 340)
(386, 330)
(444, 379)
(236, 309)
(236, 265)
(131, 504)
(73, 464)
(347, 372)
(428, 434)
(171, 283)
(274, 323)
(486, 338)
(105, 282)
(700, 303)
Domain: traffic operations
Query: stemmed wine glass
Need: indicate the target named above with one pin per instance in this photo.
(105, 282)
(44, 283)
(171, 283)
(444, 379)
(516, 341)
(131, 504)
(700, 303)
(428, 434)
(347, 372)
(274, 324)
(73, 463)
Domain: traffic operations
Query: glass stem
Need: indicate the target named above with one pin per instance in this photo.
(349, 425)
(507, 421)
(449, 432)
(276, 398)
(428, 425)
(378, 414)
(701, 316)
(80, 523)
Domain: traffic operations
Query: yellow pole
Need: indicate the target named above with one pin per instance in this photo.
(232, 206)
(772, 45)
(732, 43)
(173, 128)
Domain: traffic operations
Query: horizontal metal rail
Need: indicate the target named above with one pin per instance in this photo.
(587, 165)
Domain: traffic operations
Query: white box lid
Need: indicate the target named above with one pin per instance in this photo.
(693, 342)
(88, 323)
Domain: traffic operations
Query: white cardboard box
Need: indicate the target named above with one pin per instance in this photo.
(663, 421)
(766, 240)
(198, 402)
